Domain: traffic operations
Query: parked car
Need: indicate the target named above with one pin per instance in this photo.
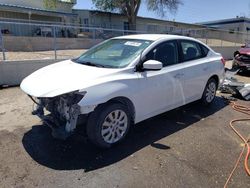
(123, 81)
(245, 49)
(241, 59)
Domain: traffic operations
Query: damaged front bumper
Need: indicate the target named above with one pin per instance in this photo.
(242, 64)
(59, 113)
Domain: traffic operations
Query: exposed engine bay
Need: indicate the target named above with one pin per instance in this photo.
(61, 113)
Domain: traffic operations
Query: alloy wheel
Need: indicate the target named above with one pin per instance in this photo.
(114, 126)
(210, 92)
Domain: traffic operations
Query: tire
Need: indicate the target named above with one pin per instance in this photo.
(209, 92)
(236, 53)
(106, 122)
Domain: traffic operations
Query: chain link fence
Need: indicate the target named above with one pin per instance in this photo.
(24, 40)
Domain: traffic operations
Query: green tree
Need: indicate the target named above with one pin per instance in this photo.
(50, 4)
(130, 8)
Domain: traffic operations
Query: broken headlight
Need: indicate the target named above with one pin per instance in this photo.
(74, 97)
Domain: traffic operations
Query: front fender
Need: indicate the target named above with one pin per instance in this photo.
(102, 93)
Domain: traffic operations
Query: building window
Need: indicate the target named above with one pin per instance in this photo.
(86, 24)
(125, 28)
(152, 28)
(125, 25)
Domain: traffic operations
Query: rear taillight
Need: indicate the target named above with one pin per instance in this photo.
(223, 61)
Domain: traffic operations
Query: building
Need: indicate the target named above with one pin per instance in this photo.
(238, 24)
(34, 12)
(234, 29)
(111, 24)
(94, 18)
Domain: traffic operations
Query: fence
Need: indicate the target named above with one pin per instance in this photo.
(31, 40)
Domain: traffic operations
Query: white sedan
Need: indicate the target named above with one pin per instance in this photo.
(123, 81)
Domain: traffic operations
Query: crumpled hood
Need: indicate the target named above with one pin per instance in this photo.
(61, 78)
(245, 51)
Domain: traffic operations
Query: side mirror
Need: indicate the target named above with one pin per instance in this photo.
(152, 65)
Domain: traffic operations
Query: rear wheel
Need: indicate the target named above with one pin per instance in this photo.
(209, 92)
(108, 124)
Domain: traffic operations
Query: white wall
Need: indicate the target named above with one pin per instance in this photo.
(12, 73)
(227, 52)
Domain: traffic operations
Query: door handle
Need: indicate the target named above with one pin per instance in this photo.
(178, 75)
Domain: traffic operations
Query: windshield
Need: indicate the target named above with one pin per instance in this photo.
(114, 53)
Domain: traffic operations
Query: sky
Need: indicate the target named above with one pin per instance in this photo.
(193, 11)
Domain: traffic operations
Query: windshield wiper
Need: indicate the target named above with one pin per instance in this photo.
(89, 63)
(92, 64)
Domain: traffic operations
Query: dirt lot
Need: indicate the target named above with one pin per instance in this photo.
(192, 146)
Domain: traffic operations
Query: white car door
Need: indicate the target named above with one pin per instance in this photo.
(195, 68)
(160, 90)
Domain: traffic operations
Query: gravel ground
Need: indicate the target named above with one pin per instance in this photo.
(191, 146)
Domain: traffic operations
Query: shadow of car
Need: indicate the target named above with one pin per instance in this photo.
(78, 153)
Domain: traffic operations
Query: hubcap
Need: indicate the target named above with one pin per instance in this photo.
(211, 91)
(114, 126)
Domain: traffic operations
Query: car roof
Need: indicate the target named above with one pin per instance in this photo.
(153, 37)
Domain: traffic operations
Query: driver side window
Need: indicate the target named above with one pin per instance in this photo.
(166, 52)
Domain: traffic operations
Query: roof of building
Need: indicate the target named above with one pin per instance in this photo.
(31, 9)
(226, 21)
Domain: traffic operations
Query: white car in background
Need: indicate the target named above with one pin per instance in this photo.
(123, 81)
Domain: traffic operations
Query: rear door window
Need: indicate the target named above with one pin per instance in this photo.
(190, 50)
(166, 52)
(205, 50)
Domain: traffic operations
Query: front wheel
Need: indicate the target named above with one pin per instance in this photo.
(209, 92)
(108, 124)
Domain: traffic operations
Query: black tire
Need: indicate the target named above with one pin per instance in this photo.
(236, 53)
(206, 100)
(96, 120)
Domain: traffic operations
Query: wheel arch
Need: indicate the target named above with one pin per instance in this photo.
(126, 101)
(216, 77)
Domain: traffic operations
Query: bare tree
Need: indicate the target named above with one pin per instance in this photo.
(130, 8)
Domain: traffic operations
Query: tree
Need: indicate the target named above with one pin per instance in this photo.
(130, 8)
(50, 4)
